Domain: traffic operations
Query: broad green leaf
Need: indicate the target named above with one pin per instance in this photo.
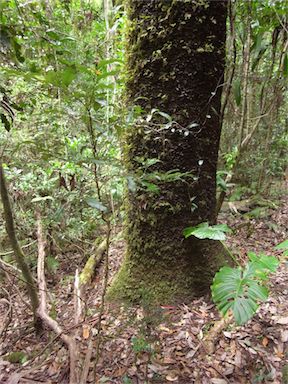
(17, 49)
(237, 91)
(270, 263)
(204, 231)
(221, 183)
(149, 162)
(263, 263)
(241, 289)
(283, 245)
(259, 47)
(151, 187)
(256, 291)
(96, 204)
(61, 78)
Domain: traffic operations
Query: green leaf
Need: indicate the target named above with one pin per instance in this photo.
(204, 231)
(17, 49)
(283, 245)
(151, 187)
(241, 289)
(231, 291)
(104, 379)
(263, 263)
(160, 113)
(221, 183)
(52, 263)
(96, 204)
(237, 91)
(61, 78)
(259, 47)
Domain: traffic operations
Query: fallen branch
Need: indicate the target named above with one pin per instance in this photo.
(92, 263)
(212, 336)
(2, 262)
(42, 309)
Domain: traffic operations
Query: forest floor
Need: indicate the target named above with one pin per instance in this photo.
(156, 345)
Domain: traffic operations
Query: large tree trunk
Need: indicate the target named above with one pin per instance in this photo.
(176, 55)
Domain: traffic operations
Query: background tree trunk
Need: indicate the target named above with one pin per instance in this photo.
(18, 253)
(176, 57)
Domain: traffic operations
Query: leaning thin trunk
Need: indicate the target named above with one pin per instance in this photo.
(19, 255)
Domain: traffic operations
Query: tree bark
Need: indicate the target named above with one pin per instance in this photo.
(18, 253)
(175, 63)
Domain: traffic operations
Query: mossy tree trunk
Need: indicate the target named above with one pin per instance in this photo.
(175, 60)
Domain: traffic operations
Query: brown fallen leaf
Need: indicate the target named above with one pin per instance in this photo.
(238, 359)
(168, 360)
(284, 336)
(282, 320)
(172, 376)
(265, 341)
(85, 331)
(280, 354)
(218, 381)
(15, 378)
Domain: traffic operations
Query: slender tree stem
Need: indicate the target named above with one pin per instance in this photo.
(19, 255)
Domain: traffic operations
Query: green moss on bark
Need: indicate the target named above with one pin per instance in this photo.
(175, 62)
(177, 279)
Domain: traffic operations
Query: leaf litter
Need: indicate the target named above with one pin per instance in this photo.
(167, 346)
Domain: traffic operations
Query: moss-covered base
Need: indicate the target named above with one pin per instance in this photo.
(169, 282)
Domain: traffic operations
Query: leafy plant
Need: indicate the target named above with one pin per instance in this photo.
(140, 344)
(238, 289)
(241, 289)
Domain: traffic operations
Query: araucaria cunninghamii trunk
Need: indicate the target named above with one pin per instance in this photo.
(175, 64)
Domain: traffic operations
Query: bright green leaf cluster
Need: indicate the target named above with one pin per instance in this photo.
(241, 289)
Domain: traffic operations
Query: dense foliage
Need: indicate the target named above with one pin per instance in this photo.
(61, 118)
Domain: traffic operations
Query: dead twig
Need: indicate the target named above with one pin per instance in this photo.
(6, 320)
(86, 366)
(77, 298)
